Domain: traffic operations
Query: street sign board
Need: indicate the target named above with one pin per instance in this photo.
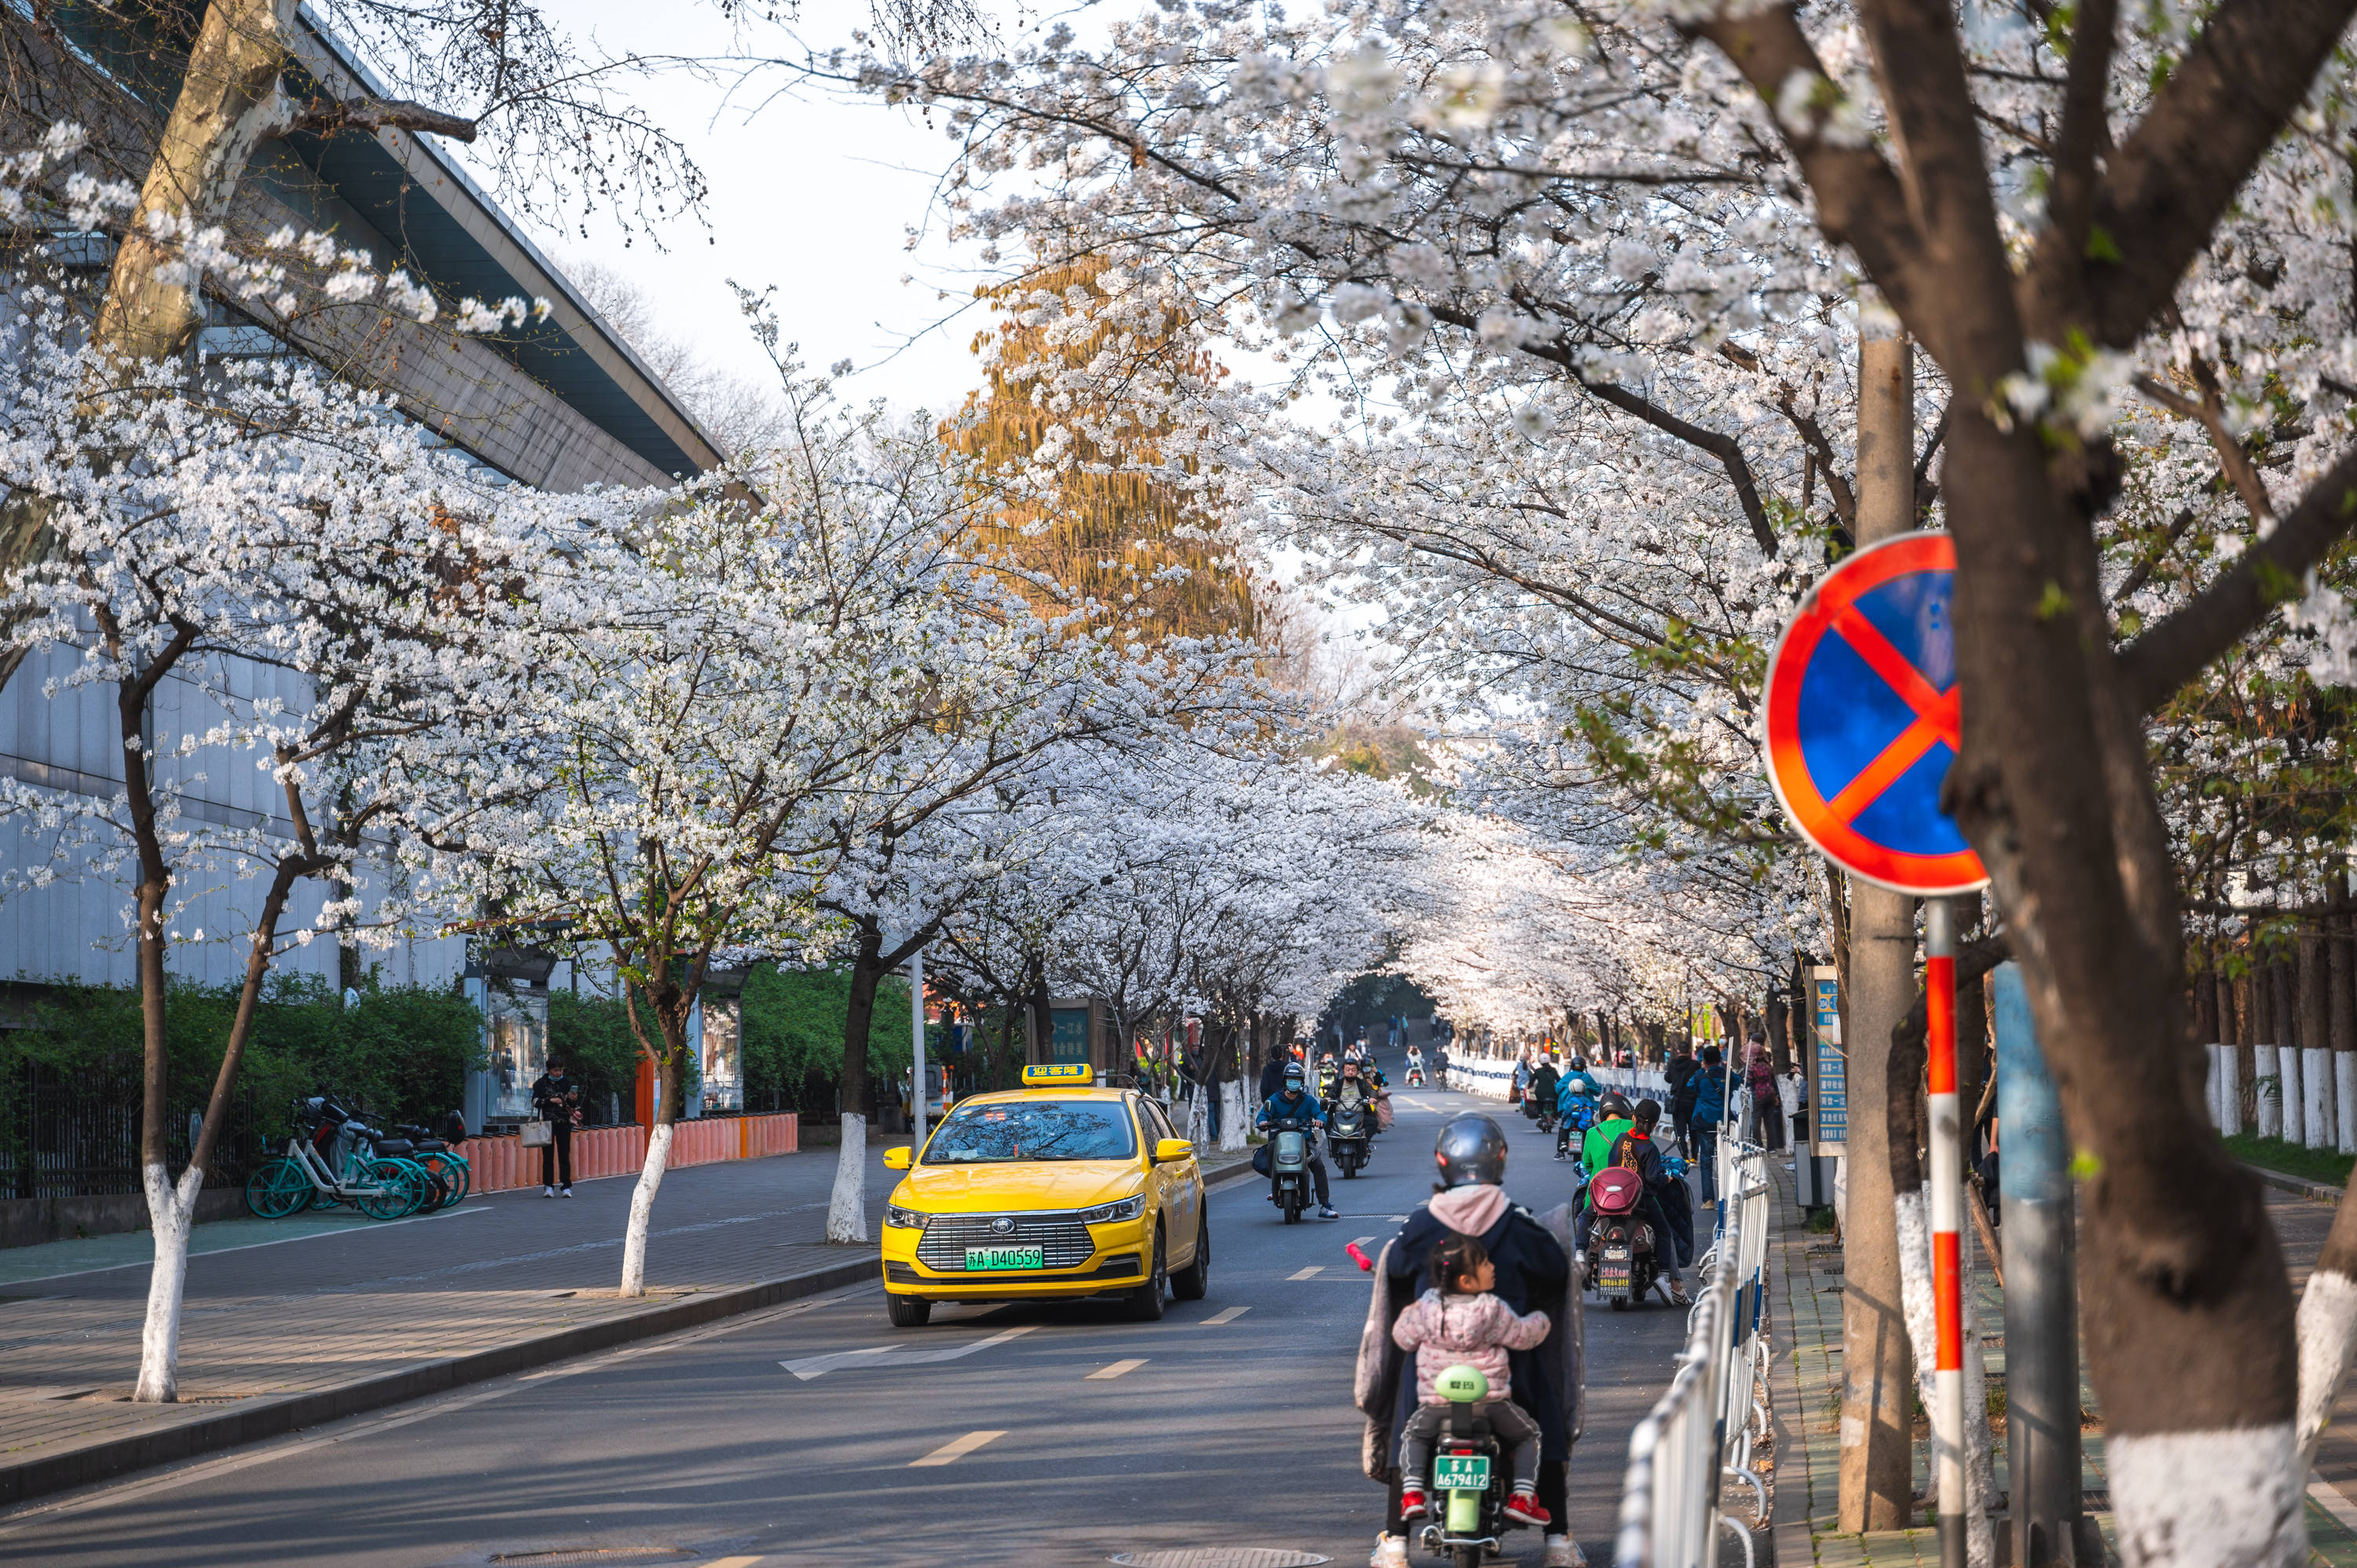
(1861, 718)
(1828, 1075)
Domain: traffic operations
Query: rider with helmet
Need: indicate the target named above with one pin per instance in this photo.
(1533, 1274)
(1293, 1102)
(1576, 1093)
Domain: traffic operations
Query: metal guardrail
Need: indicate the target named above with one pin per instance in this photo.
(1700, 1433)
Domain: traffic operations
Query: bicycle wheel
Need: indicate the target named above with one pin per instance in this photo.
(277, 1189)
(391, 1189)
(450, 1171)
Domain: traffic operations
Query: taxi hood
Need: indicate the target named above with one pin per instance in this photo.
(1018, 1184)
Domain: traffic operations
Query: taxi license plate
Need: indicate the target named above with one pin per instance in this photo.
(1460, 1472)
(1006, 1257)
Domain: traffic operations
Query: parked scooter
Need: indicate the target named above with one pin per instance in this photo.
(1622, 1263)
(1468, 1476)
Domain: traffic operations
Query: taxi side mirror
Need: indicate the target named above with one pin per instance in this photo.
(1168, 1149)
(897, 1159)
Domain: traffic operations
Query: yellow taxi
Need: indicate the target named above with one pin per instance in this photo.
(1058, 1189)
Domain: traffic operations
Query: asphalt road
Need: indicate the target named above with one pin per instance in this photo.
(1029, 1434)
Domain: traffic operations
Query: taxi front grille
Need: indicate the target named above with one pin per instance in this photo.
(1063, 1242)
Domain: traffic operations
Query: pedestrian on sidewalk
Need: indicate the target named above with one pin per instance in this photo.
(1709, 1083)
(1679, 1076)
(1761, 1075)
(558, 1099)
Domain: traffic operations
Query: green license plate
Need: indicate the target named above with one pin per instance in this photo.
(1006, 1258)
(1460, 1472)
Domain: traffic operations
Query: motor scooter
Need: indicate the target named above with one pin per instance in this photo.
(1621, 1261)
(1349, 1135)
(1469, 1478)
(1288, 1165)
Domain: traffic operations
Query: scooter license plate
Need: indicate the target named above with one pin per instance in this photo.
(1460, 1472)
(1006, 1258)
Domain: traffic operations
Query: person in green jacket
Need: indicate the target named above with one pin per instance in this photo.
(1613, 1118)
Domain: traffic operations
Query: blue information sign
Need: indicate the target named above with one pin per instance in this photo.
(1829, 1102)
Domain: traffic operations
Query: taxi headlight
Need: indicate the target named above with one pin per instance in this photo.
(904, 1218)
(1106, 1213)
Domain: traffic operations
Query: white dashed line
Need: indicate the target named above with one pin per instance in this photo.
(951, 1452)
(1107, 1374)
(1312, 1272)
(1230, 1315)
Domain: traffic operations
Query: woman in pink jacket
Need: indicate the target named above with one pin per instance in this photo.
(1459, 1323)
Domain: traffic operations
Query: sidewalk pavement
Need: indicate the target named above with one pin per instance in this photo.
(291, 1323)
(1805, 1321)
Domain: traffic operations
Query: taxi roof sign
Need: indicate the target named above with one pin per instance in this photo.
(1050, 1075)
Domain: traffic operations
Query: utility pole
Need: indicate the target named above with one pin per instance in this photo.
(1878, 1369)
(917, 1047)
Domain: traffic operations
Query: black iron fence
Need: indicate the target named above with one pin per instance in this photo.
(75, 1134)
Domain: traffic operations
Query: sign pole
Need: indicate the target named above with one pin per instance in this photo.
(916, 1047)
(1947, 1215)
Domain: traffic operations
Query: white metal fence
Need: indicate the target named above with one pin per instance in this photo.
(1700, 1434)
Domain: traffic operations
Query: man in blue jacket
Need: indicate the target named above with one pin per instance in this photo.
(1293, 1102)
(1709, 1110)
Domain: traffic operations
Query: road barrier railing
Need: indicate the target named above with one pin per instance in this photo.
(1699, 1435)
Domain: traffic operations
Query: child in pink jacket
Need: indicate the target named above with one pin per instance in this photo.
(1459, 1323)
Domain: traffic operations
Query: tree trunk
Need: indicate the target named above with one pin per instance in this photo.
(846, 1208)
(2318, 1119)
(1878, 988)
(2183, 1269)
(670, 1006)
(2340, 1024)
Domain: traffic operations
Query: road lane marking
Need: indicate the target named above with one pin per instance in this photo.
(951, 1452)
(1230, 1315)
(1312, 1272)
(1360, 1240)
(734, 1562)
(1107, 1374)
(901, 1354)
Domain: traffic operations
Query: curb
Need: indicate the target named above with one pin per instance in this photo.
(2284, 1180)
(38, 1477)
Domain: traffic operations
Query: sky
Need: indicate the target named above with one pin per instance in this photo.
(810, 193)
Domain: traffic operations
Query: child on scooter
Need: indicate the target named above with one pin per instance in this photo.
(1457, 1322)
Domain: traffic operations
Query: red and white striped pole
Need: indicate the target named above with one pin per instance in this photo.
(1947, 1218)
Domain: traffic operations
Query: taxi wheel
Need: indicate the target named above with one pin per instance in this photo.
(909, 1311)
(1147, 1302)
(1191, 1283)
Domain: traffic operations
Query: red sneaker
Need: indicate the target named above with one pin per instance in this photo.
(1411, 1503)
(1522, 1508)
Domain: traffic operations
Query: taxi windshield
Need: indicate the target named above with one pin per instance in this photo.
(1033, 1130)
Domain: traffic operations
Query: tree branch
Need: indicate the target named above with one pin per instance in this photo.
(2156, 664)
(328, 115)
(2172, 177)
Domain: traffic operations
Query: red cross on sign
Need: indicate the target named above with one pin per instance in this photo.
(1861, 720)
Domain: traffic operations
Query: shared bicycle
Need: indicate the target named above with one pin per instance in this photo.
(344, 1160)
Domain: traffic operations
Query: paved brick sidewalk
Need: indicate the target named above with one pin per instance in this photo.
(268, 1317)
(1805, 1303)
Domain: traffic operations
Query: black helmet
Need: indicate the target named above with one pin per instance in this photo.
(1470, 1149)
(1293, 1073)
(1613, 1107)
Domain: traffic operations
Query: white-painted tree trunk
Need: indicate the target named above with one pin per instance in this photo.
(642, 1210)
(2208, 1499)
(2327, 1335)
(1232, 1115)
(2323, 1128)
(846, 1211)
(171, 1212)
(2344, 1099)
(1198, 1119)
(2294, 1098)
(1923, 1335)
(2230, 1091)
(2210, 1086)
(2267, 1085)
